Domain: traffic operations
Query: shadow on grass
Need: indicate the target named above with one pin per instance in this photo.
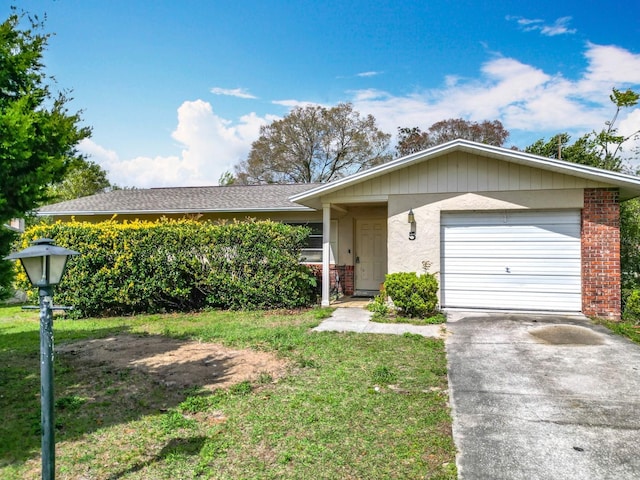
(90, 395)
(190, 446)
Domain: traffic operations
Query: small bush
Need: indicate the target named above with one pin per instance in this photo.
(412, 295)
(632, 307)
(379, 305)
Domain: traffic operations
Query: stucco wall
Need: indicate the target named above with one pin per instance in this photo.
(405, 255)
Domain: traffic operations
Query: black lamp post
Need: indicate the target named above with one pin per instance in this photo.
(44, 263)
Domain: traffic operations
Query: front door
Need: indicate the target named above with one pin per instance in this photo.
(371, 253)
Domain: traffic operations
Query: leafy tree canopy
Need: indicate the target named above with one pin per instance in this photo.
(38, 135)
(226, 179)
(601, 149)
(314, 144)
(581, 151)
(82, 179)
(412, 140)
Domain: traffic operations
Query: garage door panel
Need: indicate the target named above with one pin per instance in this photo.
(516, 260)
(552, 270)
(513, 283)
(516, 266)
(510, 217)
(493, 233)
(539, 301)
(513, 250)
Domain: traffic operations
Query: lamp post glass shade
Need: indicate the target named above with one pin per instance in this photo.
(411, 217)
(43, 261)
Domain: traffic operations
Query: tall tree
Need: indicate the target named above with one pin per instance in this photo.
(38, 134)
(412, 140)
(609, 142)
(601, 149)
(314, 144)
(82, 179)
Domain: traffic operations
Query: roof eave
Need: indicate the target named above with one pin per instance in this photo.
(629, 184)
(40, 213)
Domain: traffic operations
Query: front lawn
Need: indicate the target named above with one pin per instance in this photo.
(346, 405)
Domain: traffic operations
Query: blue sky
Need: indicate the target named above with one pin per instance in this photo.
(176, 91)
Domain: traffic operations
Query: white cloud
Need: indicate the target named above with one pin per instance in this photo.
(524, 98)
(368, 74)
(629, 126)
(291, 103)
(99, 154)
(233, 92)
(559, 27)
(608, 64)
(210, 144)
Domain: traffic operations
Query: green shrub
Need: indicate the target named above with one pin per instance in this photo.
(179, 265)
(632, 307)
(379, 305)
(413, 295)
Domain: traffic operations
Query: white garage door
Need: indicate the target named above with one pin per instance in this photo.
(523, 260)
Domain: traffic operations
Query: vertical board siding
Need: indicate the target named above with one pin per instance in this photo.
(460, 172)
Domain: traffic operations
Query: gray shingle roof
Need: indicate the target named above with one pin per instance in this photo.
(233, 198)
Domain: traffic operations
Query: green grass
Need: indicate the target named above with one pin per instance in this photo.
(434, 319)
(629, 329)
(333, 415)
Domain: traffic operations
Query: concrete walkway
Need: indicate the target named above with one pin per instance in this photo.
(542, 397)
(358, 319)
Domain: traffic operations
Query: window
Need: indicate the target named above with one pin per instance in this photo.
(312, 252)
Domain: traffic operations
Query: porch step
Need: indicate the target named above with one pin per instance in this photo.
(366, 293)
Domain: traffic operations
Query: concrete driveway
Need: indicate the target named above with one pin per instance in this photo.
(543, 397)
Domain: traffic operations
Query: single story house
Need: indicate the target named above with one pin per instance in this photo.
(501, 228)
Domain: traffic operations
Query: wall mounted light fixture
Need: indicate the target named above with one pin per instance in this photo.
(412, 223)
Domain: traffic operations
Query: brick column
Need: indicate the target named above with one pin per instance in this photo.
(343, 274)
(601, 253)
(346, 279)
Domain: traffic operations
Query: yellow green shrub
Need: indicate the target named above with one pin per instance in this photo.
(179, 265)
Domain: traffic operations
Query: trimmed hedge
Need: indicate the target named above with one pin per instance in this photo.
(413, 295)
(179, 265)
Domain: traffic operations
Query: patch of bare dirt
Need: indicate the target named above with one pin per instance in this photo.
(175, 363)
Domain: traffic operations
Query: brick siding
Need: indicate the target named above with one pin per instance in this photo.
(601, 253)
(340, 278)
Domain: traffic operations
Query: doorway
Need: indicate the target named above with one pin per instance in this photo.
(371, 254)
